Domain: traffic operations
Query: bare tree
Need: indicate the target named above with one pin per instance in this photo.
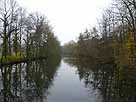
(8, 17)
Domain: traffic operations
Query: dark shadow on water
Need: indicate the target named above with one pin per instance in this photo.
(113, 86)
(28, 82)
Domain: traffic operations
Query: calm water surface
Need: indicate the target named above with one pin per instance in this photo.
(66, 80)
(67, 87)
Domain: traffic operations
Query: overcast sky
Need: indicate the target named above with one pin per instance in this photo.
(68, 17)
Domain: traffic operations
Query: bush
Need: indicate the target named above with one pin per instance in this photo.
(12, 57)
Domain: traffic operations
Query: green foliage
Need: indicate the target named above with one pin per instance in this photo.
(13, 57)
(31, 35)
(69, 49)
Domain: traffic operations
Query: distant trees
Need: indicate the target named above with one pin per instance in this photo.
(24, 36)
(68, 49)
(86, 44)
(115, 39)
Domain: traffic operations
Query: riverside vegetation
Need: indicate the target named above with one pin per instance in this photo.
(23, 38)
(104, 56)
(113, 41)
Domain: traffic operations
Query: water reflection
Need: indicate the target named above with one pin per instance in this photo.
(27, 82)
(30, 82)
(113, 85)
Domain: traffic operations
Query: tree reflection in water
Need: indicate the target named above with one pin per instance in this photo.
(112, 85)
(28, 82)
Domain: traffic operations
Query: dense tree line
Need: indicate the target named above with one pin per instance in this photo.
(24, 35)
(115, 38)
(68, 49)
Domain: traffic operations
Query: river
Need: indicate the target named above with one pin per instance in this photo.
(67, 87)
(66, 80)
